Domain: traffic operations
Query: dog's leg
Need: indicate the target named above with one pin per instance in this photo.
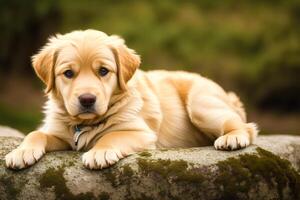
(220, 122)
(32, 149)
(116, 145)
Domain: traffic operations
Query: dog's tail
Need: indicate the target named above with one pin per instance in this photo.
(237, 105)
(252, 130)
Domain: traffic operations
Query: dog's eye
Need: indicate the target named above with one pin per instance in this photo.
(103, 71)
(69, 73)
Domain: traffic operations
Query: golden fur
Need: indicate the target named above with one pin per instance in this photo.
(134, 110)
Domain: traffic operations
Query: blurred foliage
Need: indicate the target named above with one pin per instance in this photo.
(25, 121)
(24, 27)
(252, 47)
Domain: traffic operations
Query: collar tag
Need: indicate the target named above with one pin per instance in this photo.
(78, 133)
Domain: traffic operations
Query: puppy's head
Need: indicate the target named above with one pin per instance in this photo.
(84, 69)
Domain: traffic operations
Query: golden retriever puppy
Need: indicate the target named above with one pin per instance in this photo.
(99, 102)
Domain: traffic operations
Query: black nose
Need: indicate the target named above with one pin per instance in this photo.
(87, 100)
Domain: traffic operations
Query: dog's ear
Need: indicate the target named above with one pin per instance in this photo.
(43, 63)
(126, 59)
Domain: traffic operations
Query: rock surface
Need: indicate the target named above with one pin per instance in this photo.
(267, 170)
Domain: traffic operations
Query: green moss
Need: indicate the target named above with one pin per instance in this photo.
(143, 197)
(118, 176)
(127, 171)
(164, 149)
(239, 175)
(145, 154)
(12, 183)
(54, 178)
(177, 169)
(71, 163)
(104, 196)
(110, 175)
(2, 162)
(11, 189)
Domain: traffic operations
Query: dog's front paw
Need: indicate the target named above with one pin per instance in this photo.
(101, 158)
(232, 141)
(21, 158)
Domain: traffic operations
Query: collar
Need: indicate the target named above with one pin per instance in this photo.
(80, 129)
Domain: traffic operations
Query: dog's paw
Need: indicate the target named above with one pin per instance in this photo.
(232, 141)
(21, 158)
(101, 158)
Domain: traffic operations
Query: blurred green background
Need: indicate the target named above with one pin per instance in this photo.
(251, 47)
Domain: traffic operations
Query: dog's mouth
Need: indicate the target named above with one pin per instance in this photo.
(87, 114)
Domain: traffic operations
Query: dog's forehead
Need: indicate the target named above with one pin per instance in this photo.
(85, 51)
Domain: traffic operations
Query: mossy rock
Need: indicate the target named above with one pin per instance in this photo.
(267, 170)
